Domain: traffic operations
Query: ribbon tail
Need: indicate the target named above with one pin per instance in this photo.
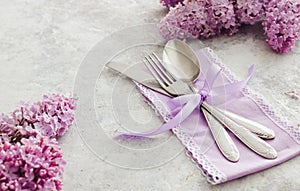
(231, 88)
(211, 75)
(186, 110)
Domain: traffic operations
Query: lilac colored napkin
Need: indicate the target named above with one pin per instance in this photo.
(197, 138)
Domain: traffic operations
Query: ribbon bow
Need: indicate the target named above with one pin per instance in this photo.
(182, 106)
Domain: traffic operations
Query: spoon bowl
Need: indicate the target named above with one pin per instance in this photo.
(181, 61)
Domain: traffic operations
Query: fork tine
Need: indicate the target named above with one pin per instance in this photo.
(157, 70)
(161, 68)
(153, 72)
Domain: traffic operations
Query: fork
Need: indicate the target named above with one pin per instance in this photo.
(177, 87)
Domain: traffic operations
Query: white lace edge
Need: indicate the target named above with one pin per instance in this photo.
(210, 171)
(271, 113)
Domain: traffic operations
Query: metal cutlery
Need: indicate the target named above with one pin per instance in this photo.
(135, 73)
(181, 61)
(177, 87)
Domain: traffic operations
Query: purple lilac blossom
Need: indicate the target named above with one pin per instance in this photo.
(50, 117)
(194, 19)
(222, 17)
(282, 24)
(249, 11)
(184, 21)
(33, 164)
(207, 18)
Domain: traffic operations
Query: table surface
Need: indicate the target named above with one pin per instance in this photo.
(43, 43)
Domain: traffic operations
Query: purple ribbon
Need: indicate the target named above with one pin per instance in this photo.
(182, 106)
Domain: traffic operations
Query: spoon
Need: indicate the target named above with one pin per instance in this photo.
(181, 59)
(174, 55)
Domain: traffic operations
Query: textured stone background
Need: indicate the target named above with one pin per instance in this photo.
(42, 44)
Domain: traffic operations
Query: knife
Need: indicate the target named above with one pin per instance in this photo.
(245, 135)
(224, 142)
(136, 73)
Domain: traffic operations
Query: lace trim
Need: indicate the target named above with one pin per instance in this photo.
(212, 173)
(271, 113)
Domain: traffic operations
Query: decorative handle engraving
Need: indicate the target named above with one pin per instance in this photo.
(251, 140)
(223, 140)
(254, 127)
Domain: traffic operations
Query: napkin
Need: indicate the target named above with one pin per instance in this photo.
(198, 140)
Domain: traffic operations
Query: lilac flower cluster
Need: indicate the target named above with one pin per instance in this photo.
(282, 24)
(207, 18)
(32, 164)
(249, 12)
(50, 117)
(30, 158)
(221, 17)
(199, 19)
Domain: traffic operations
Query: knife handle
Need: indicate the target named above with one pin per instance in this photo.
(256, 144)
(222, 138)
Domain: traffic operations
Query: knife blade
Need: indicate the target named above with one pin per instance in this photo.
(225, 143)
(135, 73)
(253, 142)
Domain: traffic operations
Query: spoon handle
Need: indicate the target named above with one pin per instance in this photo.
(247, 137)
(260, 130)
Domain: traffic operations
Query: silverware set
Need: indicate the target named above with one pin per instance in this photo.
(168, 81)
